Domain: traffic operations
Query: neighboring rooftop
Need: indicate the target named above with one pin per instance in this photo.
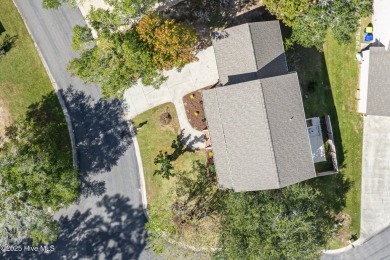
(258, 134)
(378, 95)
(249, 51)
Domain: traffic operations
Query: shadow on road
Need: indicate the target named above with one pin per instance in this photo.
(119, 235)
(102, 134)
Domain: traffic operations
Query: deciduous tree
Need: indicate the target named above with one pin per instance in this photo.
(36, 174)
(287, 10)
(36, 158)
(20, 219)
(291, 223)
(340, 16)
(164, 160)
(171, 43)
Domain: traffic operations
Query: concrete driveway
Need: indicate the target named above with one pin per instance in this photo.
(381, 21)
(375, 208)
(375, 205)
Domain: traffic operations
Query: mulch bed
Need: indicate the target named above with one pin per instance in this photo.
(165, 118)
(194, 108)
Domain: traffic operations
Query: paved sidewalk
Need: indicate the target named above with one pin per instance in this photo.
(192, 77)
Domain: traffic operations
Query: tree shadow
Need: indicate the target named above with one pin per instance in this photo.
(7, 43)
(189, 141)
(178, 147)
(2, 29)
(91, 187)
(102, 134)
(334, 190)
(119, 233)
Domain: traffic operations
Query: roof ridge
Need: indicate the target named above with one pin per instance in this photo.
(253, 48)
(269, 134)
(281, 40)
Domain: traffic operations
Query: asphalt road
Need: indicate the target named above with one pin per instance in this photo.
(374, 248)
(108, 221)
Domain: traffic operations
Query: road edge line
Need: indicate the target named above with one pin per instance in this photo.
(140, 171)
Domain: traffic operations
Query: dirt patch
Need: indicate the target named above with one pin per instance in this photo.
(165, 118)
(194, 108)
(210, 166)
(344, 234)
(4, 117)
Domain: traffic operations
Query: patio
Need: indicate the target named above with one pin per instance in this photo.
(316, 139)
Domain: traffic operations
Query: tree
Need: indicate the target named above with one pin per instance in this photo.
(164, 160)
(189, 213)
(131, 10)
(341, 16)
(197, 194)
(171, 43)
(54, 4)
(19, 219)
(287, 10)
(37, 175)
(36, 158)
(116, 61)
(290, 223)
(82, 37)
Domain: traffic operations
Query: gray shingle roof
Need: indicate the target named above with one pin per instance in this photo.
(258, 134)
(378, 95)
(249, 51)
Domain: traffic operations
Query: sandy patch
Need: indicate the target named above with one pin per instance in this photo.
(4, 117)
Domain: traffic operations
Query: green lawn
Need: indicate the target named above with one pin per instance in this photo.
(154, 137)
(23, 79)
(343, 74)
(364, 22)
(329, 81)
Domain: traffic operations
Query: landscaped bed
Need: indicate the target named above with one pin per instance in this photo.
(194, 109)
(156, 135)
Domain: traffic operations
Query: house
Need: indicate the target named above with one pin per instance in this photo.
(256, 121)
(374, 85)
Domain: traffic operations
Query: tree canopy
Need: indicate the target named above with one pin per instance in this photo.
(287, 10)
(119, 57)
(291, 223)
(37, 174)
(310, 20)
(170, 42)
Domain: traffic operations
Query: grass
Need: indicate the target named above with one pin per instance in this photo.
(334, 75)
(364, 22)
(154, 137)
(343, 76)
(23, 79)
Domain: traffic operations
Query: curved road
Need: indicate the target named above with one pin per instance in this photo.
(375, 248)
(108, 221)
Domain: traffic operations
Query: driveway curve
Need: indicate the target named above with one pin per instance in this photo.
(108, 220)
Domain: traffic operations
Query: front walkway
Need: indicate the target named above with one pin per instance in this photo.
(192, 77)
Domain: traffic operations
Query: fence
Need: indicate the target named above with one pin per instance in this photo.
(332, 147)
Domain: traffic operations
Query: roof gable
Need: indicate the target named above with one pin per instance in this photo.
(249, 51)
